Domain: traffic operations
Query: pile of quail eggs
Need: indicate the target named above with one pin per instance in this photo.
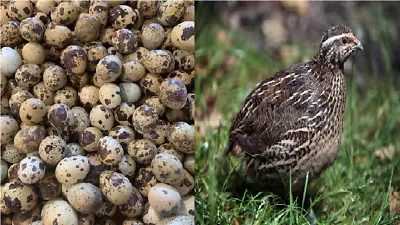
(97, 112)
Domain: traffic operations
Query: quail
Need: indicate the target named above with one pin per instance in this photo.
(290, 126)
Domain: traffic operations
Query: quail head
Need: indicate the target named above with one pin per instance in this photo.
(292, 122)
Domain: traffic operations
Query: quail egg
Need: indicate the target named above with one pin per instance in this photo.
(102, 118)
(52, 150)
(19, 197)
(44, 6)
(184, 77)
(134, 207)
(188, 15)
(33, 53)
(74, 59)
(130, 92)
(41, 92)
(107, 209)
(28, 139)
(158, 133)
(145, 180)
(188, 163)
(123, 134)
(182, 137)
(173, 93)
(82, 120)
(48, 187)
(144, 117)
(182, 36)
(156, 103)
(164, 199)
(167, 168)
(150, 84)
(10, 61)
(32, 111)
(116, 187)
(72, 170)
(19, 10)
(89, 96)
(148, 8)
(109, 68)
(94, 55)
(151, 216)
(28, 75)
(153, 36)
(110, 95)
(106, 35)
(27, 217)
(87, 28)
(12, 172)
(67, 96)
(74, 149)
(85, 197)
(157, 61)
(17, 99)
(170, 12)
(122, 16)
(142, 151)
(32, 29)
(184, 60)
(9, 128)
(58, 36)
(31, 170)
(61, 117)
(181, 219)
(124, 41)
(123, 113)
(187, 184)
(110, 150)
(10, 154)
(10, 34)
(59, 212)
(127, 166)
(66, 13)
(100, 10)
(55, 77)
(132, 71)
(96, 168)
(138, 55)
(167, 148)
(89, 138)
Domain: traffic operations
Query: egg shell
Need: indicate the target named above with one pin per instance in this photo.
(173, 93)
(27, 217)
(184, 60)
(9, 128)
(109, 68)
(124, 41)
(85, 197)
(158, 133)
(28, 139)
(123, 134)
(61, 117)
(181, 75)
(67, 96)
(167, 148)
(138, 55)
(72, 170)
(19, 197)
(110, 150)
(100, 10)
(31, 170)
(32, 111)
(58, 36)
(10, 154)
(155, 102)
(44, 6)
(127, 166)
(34, 53)
(157, 61)
(170, 12)
(58, 15)
(153, 36)
(116, 187)
(74, 59)
(89, 138)
(94, 55)
(188, 163)
(189, 13)
(17, 99)
(150, 84)
(73, 149)
(142, 151)
(82, 120)
(87, 28)
(187, 184)
(168, 169)
(10, 34)
(28, 75)
(130, 92)
(182, 36)
(48, 187)
(19, 10)
(182, 137)
(148, 8)
(89, 96)
(52, 149)
(132, 71)
(59, 212)
(102, 118)
(122, 16)
(32, 29)
(12, 172)
(55, 77)
(181, 219)
(110, 95)
(134, 207)
(145, 179)
(123, 114)
(144, 117)
(165, 199)
(107, 209)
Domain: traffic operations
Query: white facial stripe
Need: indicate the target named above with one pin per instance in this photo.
(334, 38)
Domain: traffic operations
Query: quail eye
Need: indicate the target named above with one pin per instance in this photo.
(344, 40)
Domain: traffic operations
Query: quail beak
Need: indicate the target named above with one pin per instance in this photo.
(358, 45)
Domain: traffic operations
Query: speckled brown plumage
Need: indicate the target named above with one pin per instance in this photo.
(293, 121)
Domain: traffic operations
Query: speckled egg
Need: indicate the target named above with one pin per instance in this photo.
(110, 150)
(48, 187)
(123, 134)
(173, 93)
(100, 10)
(89, 96)
(10, 61)
(116, 187)
(42, 17)
(167, 168)
(124, 41)
(181, 219)
(167, 148)
(66, 13)
(182, 36)
(12, 172)
(67, 96)
(106, 35)
(158, 133)
(181, 75)
(157, 61)
(19, 197)
(31, 170)
(72, 170)
(44, 6)
(28, 75)
(184, 60)
(27, 217)
(17, 99)
(138, 55)
(132, 221)
(10, 34)
(134, 207)
(148, 8)
(170, 12)
(122, 16)
(61, 117)
(58, 36)
(73, 59)
(130, 92)
(165, 199)
(52, 150)
(144, 117)
(150, 84)
(153, 36)
(32, 29)
(19, 10)
(107, 209)
(156, 103)
(145, 179)
(85, 197)
(123, 113)
(142, 151)
(182, 137)
(55, 77)
(59, 212)
(89, 138)
(32, 111)
(102, 118)
(132, 71)
(74, 149)
(33, 53)
(28, 139)
(110, 95)
(151, 216)
(10, 154)
(87, 28)
(189, 13)
(9, 127)
(188, 163)
(94, 55)
(127, 166)
(109, 68)
(187, 184)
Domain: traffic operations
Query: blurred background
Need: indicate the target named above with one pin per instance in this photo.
(239, 44)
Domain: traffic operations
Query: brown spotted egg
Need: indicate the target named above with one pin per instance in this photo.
(167, 168)
(89, 96)
(52, 150)
(127, 166)
(28, 75)
(61, 117)
(144, 117)
(182, 137)
(150, 84)
(31, 170)
(123, 134)
(157, 61)
(58, 36)
(110, 95)
(124, 41)
(10, 34)
(182, 36)
(19, 10)
(32, 29)
(89, 138)
(110, 150)
(130, 92)
(32, 111)
(100, 10)
(142, 151)
(109, 68)
(132, 71)
(74, 59)
(173, 93)
(122, 16)
(28, 139)
(72, 170)
(116, 187)
(123, 113)
(153, 36)
(164, 199)
(59, 212)
(134, 207)
(9, 127)
(87, 28)
(90, 198)
(102, 118)
(19, 197)
(66, 13)
(55, 77)
(170, 12)
(33, 53)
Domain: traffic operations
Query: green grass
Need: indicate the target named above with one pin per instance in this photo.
(355, 190)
